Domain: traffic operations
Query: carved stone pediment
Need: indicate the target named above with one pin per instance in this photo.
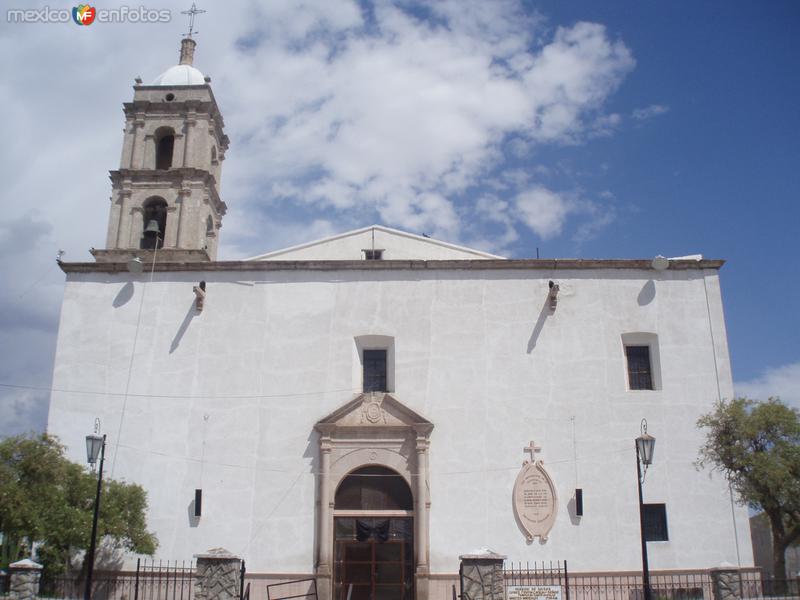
(374, 409)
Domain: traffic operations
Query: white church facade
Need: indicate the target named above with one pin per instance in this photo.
(366, 399)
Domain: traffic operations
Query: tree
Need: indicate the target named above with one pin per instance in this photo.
(49, 501)
(757, 447)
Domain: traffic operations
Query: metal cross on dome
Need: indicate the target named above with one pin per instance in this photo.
(533, 449)
(192, 12)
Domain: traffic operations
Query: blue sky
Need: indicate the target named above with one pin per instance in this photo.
(584, 129)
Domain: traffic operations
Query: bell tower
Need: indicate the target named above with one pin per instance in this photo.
(165, 195)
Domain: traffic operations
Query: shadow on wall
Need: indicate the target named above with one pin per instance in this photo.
(647, 293)
(124, 295)
(537, 329)
(193, 520)
(573, 512)
(190, 314)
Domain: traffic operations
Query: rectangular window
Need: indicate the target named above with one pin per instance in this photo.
(640, 375)
(373, 254)
(374, 370)
(655, 523)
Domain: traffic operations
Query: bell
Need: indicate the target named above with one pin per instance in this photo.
(152, 227)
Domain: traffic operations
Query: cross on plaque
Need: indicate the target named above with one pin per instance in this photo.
(532, 448)
(192, 12)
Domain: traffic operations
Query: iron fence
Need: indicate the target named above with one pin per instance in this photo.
(299, 588)
(755, 588)
(684, 586)
(5, 582)
(541, 575)
(152, 580)
(664, 586)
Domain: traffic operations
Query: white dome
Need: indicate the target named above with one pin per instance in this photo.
(180, 75)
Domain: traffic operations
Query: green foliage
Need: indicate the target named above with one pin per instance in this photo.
(757, 447)
(47, 499)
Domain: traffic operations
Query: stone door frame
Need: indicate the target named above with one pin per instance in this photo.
(372, 429)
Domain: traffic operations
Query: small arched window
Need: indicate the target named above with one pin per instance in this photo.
(213, 155)
(165, 146)
(154, 223)
(209, 225)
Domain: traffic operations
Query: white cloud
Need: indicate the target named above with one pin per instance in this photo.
(388, 114)
(495, 210)
(654, 110)
(605, 125)
(783, 381)
(543, 211)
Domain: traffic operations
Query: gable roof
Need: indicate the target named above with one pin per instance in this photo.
(396, 245)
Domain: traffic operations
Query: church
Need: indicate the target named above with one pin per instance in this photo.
(366, 408)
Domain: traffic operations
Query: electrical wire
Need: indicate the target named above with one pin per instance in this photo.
(175, 396)
(205, 461)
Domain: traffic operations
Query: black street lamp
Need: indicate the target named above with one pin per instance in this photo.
(95, 445)
(645, 445)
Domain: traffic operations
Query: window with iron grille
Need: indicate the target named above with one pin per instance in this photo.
(374, 370)
(655, 523)
(640, 375)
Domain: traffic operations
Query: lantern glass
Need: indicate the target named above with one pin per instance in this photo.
(94, 443)
(646, 444)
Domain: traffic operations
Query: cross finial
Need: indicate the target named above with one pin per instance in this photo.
(533, 449)
(192, 12)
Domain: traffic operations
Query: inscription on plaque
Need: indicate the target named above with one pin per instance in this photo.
(534, 592)
(535, 499)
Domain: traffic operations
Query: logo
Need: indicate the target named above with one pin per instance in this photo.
(83, 14)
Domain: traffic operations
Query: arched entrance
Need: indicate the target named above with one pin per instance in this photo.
(373, 501)
(373, 536)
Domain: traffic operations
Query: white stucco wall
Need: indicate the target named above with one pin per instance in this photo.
(226, 401)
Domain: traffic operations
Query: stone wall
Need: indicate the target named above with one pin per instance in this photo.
(482, 576)
(25, 575)
(217, 575)
(726, 583)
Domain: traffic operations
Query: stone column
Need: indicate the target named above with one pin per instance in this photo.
(137, 155)
(324, 588)
(25, 575)
(421, 516)
(726, 583)
(124, 232)
(176, 217)
(136, 226)
(147, 152)
(190, 122)
(217, 575)
(482, 576)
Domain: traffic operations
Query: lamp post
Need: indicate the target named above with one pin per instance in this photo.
(95, 445)
(645, 445)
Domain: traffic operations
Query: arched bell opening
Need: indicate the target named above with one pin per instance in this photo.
(165, 147)
(154, 223)
(373, 536)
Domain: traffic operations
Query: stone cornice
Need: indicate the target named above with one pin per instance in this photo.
(208, 107)
(560, 264)
(175, 177)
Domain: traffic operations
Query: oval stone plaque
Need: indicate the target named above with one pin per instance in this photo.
(535, 501)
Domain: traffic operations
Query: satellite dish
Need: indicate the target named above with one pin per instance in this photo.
(660, 263)
(135, 265)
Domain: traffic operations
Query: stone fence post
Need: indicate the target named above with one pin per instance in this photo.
(25, 575)
(726, 583)
(217, 575)
(482, 576)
